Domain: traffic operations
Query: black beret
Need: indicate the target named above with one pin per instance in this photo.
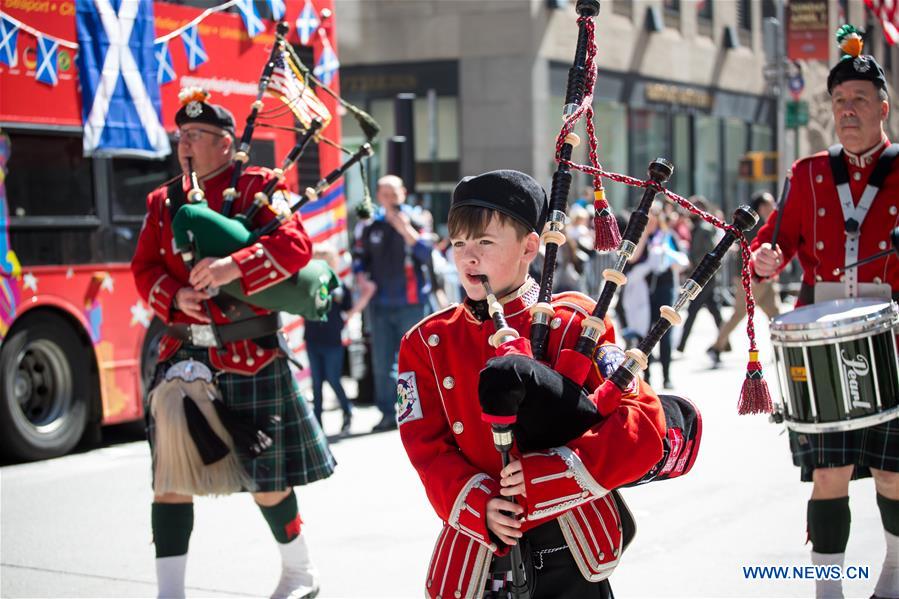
(197, 110)
(512, 193)
(862, 68)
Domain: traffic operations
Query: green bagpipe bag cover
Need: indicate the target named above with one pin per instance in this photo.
(211, 234)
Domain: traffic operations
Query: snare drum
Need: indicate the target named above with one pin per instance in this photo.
(837, 364)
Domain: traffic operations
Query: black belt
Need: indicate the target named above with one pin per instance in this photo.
(203, 335)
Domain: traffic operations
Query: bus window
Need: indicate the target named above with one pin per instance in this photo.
(48, 177)
(132, 179)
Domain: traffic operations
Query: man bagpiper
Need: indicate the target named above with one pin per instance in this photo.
(840, 209)
(225, 414)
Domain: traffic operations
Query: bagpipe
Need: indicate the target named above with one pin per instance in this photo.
(201, 232)
(542, 406)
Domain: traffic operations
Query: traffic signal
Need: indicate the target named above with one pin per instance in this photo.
(758, 167)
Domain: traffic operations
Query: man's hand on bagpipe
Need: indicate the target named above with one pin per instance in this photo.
(213, 273)
(190, 301)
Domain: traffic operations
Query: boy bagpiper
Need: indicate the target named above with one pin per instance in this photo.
(570, 525)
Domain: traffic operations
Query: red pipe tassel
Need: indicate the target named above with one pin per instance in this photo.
(754, 397)
(608, 237)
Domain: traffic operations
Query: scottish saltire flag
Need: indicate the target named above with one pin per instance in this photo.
(327, 64)
(278, 9)
(47, 51)
(9, 31)
(117, 72)
(250, 17)
(165, 70)
(193, 47)
(307, 23)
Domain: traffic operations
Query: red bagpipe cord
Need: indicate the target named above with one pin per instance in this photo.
(608, 237)
(754, 397)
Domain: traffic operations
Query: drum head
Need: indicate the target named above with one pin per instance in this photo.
(835, 319)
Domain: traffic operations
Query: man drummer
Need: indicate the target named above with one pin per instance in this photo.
(237, 342)
(828, 220)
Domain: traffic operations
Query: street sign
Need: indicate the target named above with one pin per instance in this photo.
(797, 114)
(796, 84)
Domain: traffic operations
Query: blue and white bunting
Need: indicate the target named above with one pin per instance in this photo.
(327, 64)
(47, 51)
(307, 23)
(165, 69)
(9, 31)
(278, 9)
(193, 47)
(250, 17)
(117, 70)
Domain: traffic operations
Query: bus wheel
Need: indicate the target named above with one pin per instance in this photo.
(45, 390)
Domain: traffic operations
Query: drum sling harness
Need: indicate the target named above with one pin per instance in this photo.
(853, 215)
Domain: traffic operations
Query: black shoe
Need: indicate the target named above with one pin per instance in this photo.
(667, 384)
(388, 423)
(715, 355)
(347, 420)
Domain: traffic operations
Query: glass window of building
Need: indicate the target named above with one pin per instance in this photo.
(611, 135)
(762, 140)
(708, 158)
(744, 14)
(681, 156)
(735, 145)
(704, 10)
(648, 138)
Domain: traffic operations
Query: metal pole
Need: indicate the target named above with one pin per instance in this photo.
(783, 162)
(432, 147)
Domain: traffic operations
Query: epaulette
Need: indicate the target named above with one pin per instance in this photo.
(429, 317)
(817, 156)
(575, 299)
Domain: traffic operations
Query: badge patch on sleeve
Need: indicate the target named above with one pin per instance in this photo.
(608, 358)
(407, 400)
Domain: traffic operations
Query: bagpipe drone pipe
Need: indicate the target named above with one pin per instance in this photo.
(200, 232)
(546, 407)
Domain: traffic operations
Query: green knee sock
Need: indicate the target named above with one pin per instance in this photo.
(889, 514)
(284, 518)
(172, 524)
(828, 524)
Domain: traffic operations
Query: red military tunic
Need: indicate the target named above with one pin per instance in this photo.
(159, 272)
(452, 448)
(813, 226)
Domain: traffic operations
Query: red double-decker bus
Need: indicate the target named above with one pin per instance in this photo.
(76, 341)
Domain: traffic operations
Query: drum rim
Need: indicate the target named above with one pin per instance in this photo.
(821, 338)
(850, 424)
(852, 328)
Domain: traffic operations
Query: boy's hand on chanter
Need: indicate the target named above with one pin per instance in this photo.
(512, 480)
(504, 526)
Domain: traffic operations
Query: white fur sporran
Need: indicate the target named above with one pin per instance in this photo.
(179, 467)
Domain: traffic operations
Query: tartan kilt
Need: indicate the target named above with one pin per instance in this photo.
(873, 447)
(271, 400)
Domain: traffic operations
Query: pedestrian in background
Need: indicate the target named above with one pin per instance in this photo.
(324, 339)
(762, 291)
(394, 252)
(702, 240)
